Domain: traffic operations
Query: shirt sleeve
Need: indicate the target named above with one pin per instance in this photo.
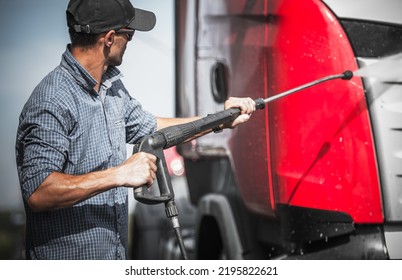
(139, 122)
(42, 145)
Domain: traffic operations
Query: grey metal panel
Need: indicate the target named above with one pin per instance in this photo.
(388, 11)
(393, 240)
(385, 107)
(185, 59)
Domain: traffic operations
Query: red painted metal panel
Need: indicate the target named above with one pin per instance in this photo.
(319, 140)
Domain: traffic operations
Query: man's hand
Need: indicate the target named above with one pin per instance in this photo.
(138, 170)
(246, 105)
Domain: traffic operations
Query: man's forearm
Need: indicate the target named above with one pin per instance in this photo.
(60, 190)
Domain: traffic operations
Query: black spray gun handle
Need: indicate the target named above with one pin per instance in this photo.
(154, 144)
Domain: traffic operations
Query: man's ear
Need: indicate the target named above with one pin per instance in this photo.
(109, 38)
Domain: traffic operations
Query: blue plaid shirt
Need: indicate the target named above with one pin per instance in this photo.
(66, 126)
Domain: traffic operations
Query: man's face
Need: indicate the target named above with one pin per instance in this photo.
(122, 37)
(117, 51)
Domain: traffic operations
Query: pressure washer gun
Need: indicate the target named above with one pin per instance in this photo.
(169, 137)
(177, 134)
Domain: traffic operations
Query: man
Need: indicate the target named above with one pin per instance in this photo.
(70, 148)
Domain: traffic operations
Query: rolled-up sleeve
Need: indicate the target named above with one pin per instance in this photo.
(138, 121)
(41, 146)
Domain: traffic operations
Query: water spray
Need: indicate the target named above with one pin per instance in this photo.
(386, 69)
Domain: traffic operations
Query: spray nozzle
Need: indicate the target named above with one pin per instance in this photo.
(347, 75)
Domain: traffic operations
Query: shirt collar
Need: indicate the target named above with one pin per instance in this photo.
(112, 74)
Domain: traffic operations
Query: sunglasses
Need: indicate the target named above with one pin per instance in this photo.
(126, 31)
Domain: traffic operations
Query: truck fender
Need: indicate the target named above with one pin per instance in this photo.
(217, 208)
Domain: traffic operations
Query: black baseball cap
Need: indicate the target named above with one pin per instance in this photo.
(98, 16)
